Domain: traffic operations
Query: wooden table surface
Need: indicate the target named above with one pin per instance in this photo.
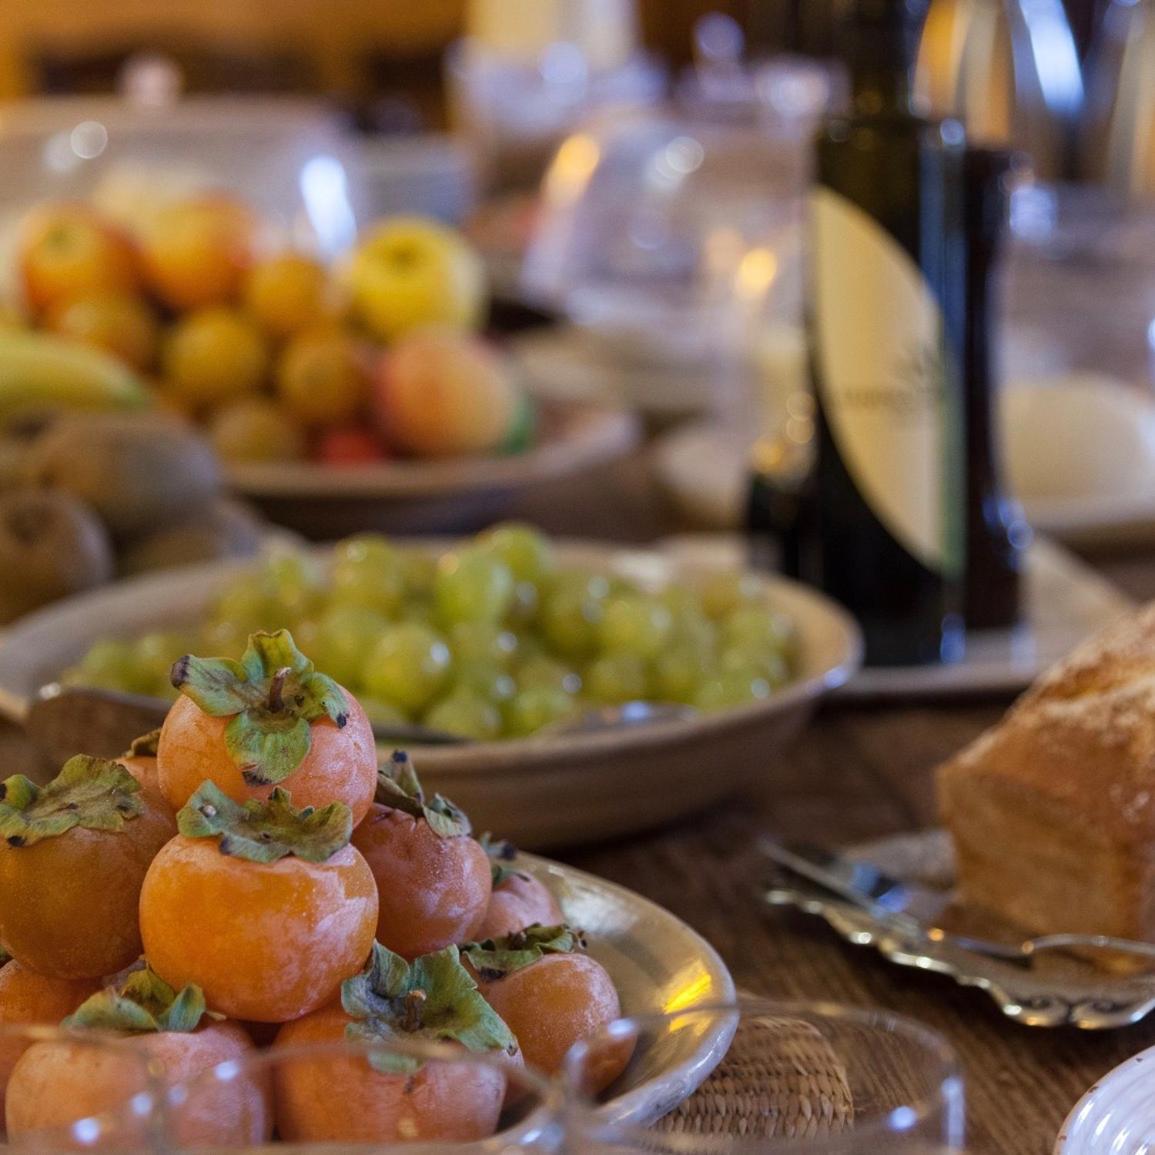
(856, 774)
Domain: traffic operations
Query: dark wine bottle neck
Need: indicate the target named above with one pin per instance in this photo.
(881, 46)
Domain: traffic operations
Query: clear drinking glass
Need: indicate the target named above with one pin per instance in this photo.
(358, 1098)
(768, 1078)
(70, 1091)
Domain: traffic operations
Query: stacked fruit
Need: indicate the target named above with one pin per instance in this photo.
(279, 884)
(86, 497)
(492, 639)
(278, 354)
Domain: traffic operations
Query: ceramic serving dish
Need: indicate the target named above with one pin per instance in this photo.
(450, 496)
(538, 791)
(1117, 1115)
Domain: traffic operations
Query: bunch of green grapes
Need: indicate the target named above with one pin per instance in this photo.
(493, 639)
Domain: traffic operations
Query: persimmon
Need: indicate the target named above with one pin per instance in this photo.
(29, 999)
(392, 1097)
(140, 761)
(268, 720)
(519, 900)
(266, 908)
(433, 879)
(73, 857)
(551, 994)
(155, 1038)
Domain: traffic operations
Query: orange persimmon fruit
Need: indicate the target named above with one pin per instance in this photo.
(519, 900)
(394, 1097)
(73, 856)
(266, 908)
(433, 879)
(268, 720)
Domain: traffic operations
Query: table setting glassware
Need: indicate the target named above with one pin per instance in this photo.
(796, 1077)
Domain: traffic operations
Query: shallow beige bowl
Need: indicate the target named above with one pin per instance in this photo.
(452, 496)
(537, 791)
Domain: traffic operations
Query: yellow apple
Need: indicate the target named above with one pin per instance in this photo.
(410, 273)
(441, 393)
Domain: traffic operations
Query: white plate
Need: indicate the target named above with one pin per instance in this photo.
(658, 965)
(538, 791)
(1117, 1115)
(704, 471)
(1066, 602)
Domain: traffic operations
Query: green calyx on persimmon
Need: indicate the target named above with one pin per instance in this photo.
(266, 831)
(500, 851)
(271, 696)
(142, 1003)
(433, 998)
(497, 957)
(90, 792)
(399, 788)
(144, 746)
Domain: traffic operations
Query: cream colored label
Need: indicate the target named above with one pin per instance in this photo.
(878, 341)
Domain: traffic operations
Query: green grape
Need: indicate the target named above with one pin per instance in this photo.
(723, 593)
(109, 664)
(536, 708)
(472, 586)
(486, 682)
(526, 551)
(676, 674)
(408, 666)
(245, 604)
(345, 635)
(294, 584)
(367, 571)
(466, 714)
(222, 638)
(155, 654)
(420, 571)
(483, 643)
(730, 688)
(614, 679)
(382, 713)
(757, 626)
(769, 664)
(542, 671)
(635, 625)
(526, 604)
(571, 615)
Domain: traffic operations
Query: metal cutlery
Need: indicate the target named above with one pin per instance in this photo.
(916, 909)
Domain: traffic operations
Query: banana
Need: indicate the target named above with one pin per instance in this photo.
(43, 371)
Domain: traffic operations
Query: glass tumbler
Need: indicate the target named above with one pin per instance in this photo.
(767, 1078)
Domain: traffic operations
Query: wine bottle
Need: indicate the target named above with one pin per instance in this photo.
(886, 320)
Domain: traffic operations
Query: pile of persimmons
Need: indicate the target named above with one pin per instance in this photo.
(249, 877)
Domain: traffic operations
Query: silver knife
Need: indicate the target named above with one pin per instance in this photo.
(858, 882)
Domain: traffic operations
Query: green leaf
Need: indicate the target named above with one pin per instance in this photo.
(500, 851)
(142, 1003)
(398, 787)
(145, 746)
(273, 695)
(434, 998)
(266, 831)
(497, 957)
(94, 793)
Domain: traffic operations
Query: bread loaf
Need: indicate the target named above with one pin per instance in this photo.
(1052, 811)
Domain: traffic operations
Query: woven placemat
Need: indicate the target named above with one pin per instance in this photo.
(780, 1079)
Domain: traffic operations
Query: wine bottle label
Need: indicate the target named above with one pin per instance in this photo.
(878, 346)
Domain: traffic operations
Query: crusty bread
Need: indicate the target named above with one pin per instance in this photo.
(1052, 811)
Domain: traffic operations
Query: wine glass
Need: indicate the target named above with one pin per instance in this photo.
(359, 1097)
(785, 1079)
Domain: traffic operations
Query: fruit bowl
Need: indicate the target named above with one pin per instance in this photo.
(540, 791)
(434, 496)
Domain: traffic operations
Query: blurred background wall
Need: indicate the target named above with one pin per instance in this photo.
(363, 52)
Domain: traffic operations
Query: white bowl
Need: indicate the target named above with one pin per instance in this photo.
(455, 495)
(539, 791)
(1116, 1116)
